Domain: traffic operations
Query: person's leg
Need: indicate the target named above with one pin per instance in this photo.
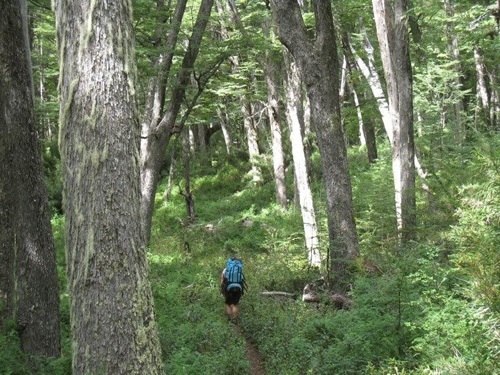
(229, 311)
(234, 311)
(232, 298)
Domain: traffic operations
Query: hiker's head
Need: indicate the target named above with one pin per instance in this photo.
(232, 255)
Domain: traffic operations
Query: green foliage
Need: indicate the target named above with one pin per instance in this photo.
(429, 308)
(12, 359)
(419, 310)
(373, 197)
(477, 231)
(45, 66)
(457, 338)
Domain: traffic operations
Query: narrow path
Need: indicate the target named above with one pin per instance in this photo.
(253, 355)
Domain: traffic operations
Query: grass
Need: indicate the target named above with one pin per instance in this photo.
(415, 314)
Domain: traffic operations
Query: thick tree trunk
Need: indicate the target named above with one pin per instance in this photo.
(392, 33)
(29, 292)
(305, 196)
(319, 67)
(111, 305)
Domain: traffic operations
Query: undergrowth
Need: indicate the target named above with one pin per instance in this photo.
(431, 308)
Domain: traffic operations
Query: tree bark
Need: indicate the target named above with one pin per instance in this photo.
(319, 68)
(483, 94)
(369, 134)
(366, 130)
(111, 305)
(29, 292)
(457, 124)
(252, 136)
(186, 158)
(271, 70)
(392, 33)
(224, 124)
(303, 188)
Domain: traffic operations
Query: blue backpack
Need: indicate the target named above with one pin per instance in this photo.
(234, 274)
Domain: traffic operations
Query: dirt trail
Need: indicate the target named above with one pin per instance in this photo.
(253, 355)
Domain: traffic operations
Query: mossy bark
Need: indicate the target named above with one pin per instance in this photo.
(29, 292)
(111, 305)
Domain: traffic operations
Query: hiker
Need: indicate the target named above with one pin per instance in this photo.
(232, 286)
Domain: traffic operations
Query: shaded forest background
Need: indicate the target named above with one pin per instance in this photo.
(429, 308)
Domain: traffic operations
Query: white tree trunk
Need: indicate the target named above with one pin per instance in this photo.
(482, 88)
(456, 124)
(224, 124)
(271, 70)
(299, 161)
(253, 146)
(392, 33)
(370, 73)
(373, 79)
(362, 139)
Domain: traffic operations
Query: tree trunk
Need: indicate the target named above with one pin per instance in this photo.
(369, 134)
(156, 135)
(366, 125)
(300, 167)
(392, 33)
(29, 292)
(186, 158)
(155, 100)
(319, 68)
(483, 94)
(111, 305)
(457, 123)
(370, 73)
(224, 124)
(253, 146)
(153, 112)
(271, 70)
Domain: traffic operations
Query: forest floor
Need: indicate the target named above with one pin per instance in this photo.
(253, 354)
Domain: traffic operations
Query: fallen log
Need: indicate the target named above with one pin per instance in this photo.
(278, 294)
